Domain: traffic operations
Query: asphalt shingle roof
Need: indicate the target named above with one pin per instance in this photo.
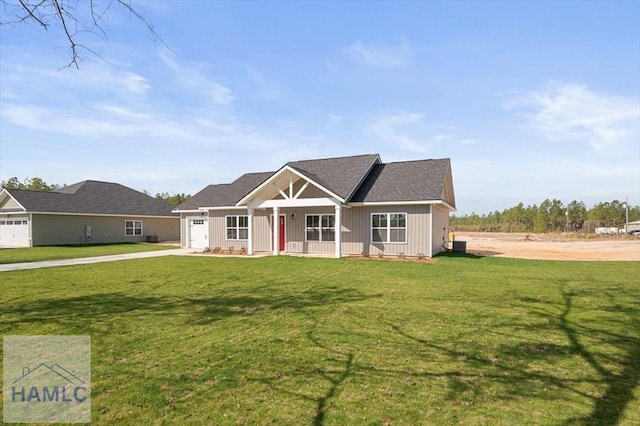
(405, 181)
(92, 197)
(226, 194)
(339, 175)
(345, 176)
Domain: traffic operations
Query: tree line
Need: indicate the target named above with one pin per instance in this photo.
(38, 184)
(549, 216)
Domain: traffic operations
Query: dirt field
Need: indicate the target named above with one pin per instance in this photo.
(551, 246)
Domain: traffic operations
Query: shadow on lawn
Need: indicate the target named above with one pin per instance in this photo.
(608, 408)
(617, 376)
(83, 312)
(335, 376)
(610, 405)
(467, 255)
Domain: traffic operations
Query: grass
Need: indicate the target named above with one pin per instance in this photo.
(466, 340)
(36, 254)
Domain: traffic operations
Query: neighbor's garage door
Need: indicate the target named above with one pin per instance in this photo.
(14, 232)
(198, 233)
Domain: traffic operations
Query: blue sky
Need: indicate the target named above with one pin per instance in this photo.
(530, 100)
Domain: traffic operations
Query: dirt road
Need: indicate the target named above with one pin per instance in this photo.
(551, 246)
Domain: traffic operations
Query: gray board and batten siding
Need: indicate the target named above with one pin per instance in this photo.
(356, 231)
(359, 186)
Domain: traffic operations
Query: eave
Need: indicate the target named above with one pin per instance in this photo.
(98, 214)
(403, 203)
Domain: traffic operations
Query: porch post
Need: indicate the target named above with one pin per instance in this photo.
(276, 231)
(338, 231)
(250, 231)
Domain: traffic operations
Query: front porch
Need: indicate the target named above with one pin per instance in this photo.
(306, 228)
(306, 212)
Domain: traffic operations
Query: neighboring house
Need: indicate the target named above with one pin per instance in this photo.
(633, 226)
(83, 213)
(348, 205)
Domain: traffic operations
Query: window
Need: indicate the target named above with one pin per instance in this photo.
(237, 227)
(132, 227)
(389, 227)
(321, 227)
(197, 222)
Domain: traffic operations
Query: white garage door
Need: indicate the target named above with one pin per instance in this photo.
(198, 233)
(14, 232)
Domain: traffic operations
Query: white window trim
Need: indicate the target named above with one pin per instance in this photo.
(320, 228)
(389, 227)
(237, 227)
(133, 228)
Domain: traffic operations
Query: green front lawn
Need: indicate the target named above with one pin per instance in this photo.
(36, 254)
(474, 341)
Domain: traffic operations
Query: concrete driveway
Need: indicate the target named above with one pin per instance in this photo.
(87, 260)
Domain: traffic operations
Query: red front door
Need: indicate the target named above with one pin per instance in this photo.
(281, 232)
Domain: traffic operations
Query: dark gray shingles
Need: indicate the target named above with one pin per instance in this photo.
(227, 194)
(92, 197)
(340, 175)
(402, 181)
(41, 201)
(71, 189)
(405, 181)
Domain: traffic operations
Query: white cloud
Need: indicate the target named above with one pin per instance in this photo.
(193, 76)
(101, 121)
(95, 76)
(125, 125)
(22, 79)
(333, 119)
(573, 112)
(478, 187)
(122, 112)
(394, 129)
(380, 56)
(264, 87)
(134, 83)
(411, 132)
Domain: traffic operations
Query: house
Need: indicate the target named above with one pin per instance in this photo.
(633, 227)
(337, 206)
(83, 213)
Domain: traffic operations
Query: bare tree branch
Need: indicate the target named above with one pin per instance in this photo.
(31, 15)
(71, 19)
(63, 22)
(154, 34)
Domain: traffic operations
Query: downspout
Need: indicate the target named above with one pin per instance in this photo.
(430, 231)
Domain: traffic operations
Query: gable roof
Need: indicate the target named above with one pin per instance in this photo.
(420, 180)
(357, 179)
(341, 175)
(226, 194)
(91, 197)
